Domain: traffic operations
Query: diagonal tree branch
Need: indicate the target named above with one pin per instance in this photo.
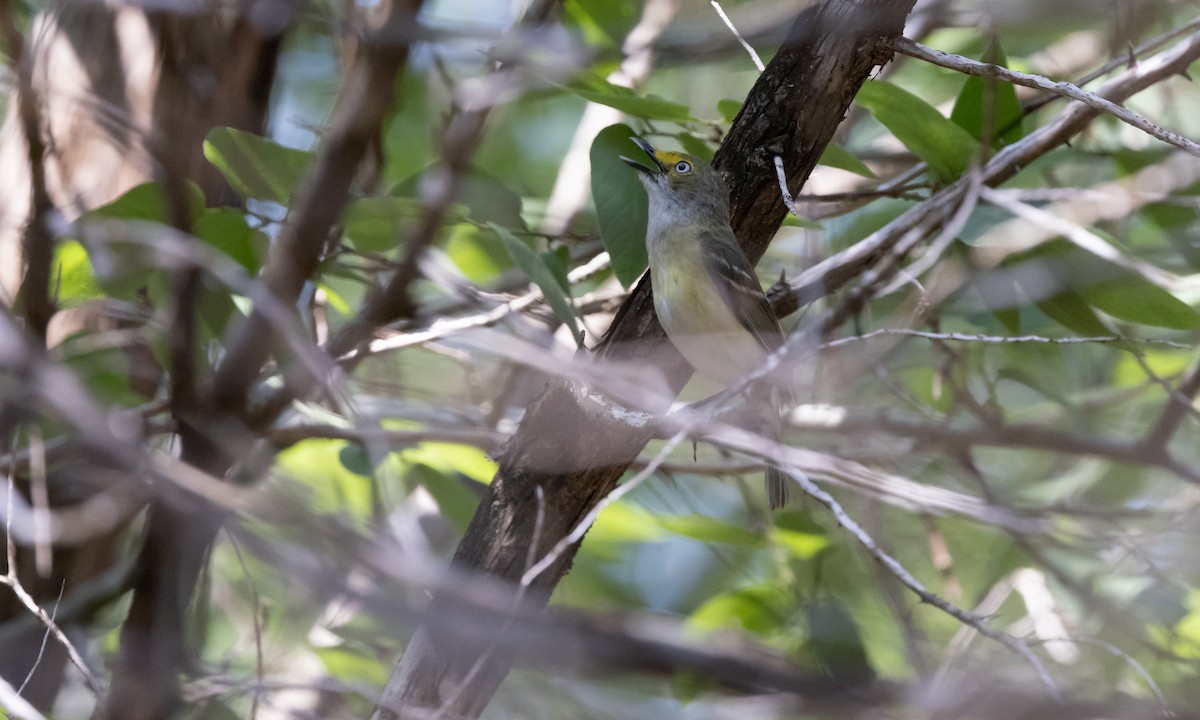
(576, 455)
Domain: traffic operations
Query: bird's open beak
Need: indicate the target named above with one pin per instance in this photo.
(649, 150)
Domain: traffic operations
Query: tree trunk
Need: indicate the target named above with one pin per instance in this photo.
(570, 448)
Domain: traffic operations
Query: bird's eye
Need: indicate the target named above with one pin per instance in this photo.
(683, 167)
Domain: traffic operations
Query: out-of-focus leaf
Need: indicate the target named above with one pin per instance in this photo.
(226, 229)
(621, 204)
(836, 156)
(729, 109)
(483, 196)
(148, 201)
(72, 275)
(352, 666)
(254, 166)
(993, 99)
(800, 535)
(946, 147)
(695, 146)
(624, 523)
(316, 465)
(452, 458)
(1129, 372)
(1069, 309)
(474, 251)
(708, 529)
(834, 641)
(759, 609)
(1090, 280)
(453, 497)
(650, 107)
(378, 224)
(542, 276)
(603, 22)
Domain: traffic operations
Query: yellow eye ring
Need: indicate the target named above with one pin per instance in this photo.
(683, 167)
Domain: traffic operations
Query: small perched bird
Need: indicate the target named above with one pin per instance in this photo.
(706, 294)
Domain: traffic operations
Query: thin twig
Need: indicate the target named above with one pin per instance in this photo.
(1017, 645)
(1001, 339)
(588, 520)
(11, 580)
(1065, 89)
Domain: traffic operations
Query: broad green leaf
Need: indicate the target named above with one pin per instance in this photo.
(624, 523)
(991, 98)
(621, 203)
(452, 494)
(537, 271)
(759, 609)
(708, 529)
(255, 167)
(148, 201)
(379, 224)
(946, 147)
(1134, 299)
(1072, 312)
(729, 109)
(226, 229)
(71, 273)
(1090, 280)
(803, 537)
(836, 156)
(650, 107)
(473, 251)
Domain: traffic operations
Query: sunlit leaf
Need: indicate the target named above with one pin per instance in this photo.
(708, 529)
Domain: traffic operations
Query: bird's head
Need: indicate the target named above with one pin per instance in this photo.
(675, 180)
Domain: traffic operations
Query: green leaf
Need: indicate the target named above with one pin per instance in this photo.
(836, 156)
(993, 99)
(72, 274)
(946, 147)
(834, 640)
(485, 196)
(693, 145)
(378, 224)
(147, 201)
(254, 166)
(708, 529)
(729, 109)
(1092, 281)
(650, 107)
(473, 250)
(621, 203)
(452, 494)
(759, 609)
(537, 271)
(226, 230)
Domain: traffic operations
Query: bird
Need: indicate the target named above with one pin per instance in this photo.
(706, 294)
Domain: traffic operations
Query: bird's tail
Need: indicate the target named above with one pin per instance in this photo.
(778, 482)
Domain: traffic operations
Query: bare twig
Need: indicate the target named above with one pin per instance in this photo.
(967, 618)
(1002, 339)
(1065, 89)
(10, 579)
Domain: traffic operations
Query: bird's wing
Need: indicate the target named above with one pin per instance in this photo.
(733, 274)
